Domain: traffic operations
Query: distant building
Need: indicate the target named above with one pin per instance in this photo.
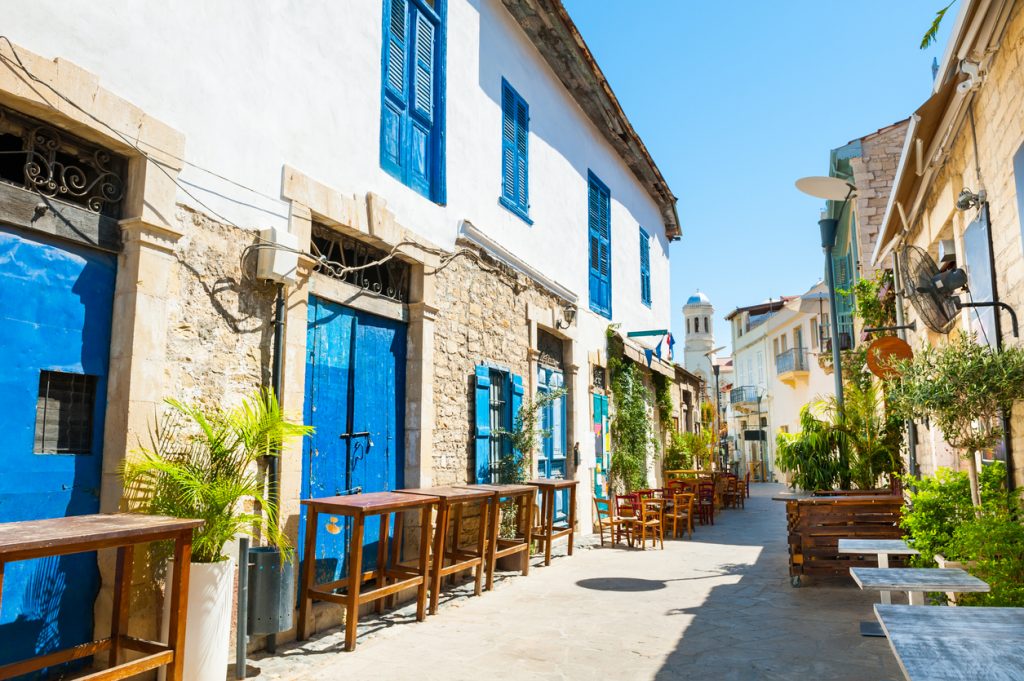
(698, 315)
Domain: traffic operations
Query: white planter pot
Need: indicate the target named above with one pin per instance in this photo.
(208, 624)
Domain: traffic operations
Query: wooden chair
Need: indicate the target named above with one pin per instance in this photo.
(627, 510)
(732, 497)
(746, 484)
(706, 503)
(606, 517)
(682, 509)
(650, 520)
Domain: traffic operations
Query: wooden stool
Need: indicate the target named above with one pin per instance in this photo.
(449, 560)
(522, 496)
(358, 507)
(546, 531)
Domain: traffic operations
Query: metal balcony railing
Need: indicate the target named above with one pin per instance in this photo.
(794, 359)
(747, 393)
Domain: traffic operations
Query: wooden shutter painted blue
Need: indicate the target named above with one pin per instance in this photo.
(423, 73)
(395, 101)
(522, 151)
(645, 268)
(482, 413)
(508, 142)
(599, 221)
(516, 400)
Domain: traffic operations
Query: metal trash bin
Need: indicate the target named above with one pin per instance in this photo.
(271, 592)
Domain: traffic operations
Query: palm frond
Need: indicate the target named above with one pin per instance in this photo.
(933, 30)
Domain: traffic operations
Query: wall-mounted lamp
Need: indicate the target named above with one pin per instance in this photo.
(568, 317)
(968, 199)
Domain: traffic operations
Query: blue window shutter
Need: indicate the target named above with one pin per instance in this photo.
(395, 40)
(522, 151)
(394, 104)
(645, 268)
(508, 142)
(482, 411)
(423, 68)
(516, 400)
(599, 223)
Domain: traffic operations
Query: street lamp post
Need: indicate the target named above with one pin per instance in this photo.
(831, 189)
(718, 401)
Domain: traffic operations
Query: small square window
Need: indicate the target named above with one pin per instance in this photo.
(64, 409)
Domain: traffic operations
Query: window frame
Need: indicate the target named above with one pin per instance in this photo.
(595, 305)
(645, 270)
(520, 210)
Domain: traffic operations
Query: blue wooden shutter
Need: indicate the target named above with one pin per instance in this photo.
(522, 151)
(599, 222)
(482, 411)
(394, 105)
(645, 268)
(423, 70)
(508, 142)
(515, 401)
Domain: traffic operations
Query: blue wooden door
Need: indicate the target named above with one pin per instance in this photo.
(57, 302)
(551, 462)
(355, 400)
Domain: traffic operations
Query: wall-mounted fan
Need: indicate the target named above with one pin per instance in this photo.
(929, 291)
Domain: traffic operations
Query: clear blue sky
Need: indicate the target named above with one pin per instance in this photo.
(736, 100)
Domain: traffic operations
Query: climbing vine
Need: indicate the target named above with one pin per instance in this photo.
(663, 397)
(631, 428)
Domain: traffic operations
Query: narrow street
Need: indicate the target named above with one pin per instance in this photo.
(716, 607)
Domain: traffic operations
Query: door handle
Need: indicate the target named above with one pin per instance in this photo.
(364, 433)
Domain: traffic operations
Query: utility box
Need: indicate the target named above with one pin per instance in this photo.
(271, 592)
(277, 257)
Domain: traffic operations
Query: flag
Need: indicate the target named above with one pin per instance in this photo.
(671, 342)
(649, 354)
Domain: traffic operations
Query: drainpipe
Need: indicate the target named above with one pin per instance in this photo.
(277, 383)
(902, 334)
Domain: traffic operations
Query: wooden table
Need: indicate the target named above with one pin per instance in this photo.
(955, 644)
(916, 581)
(123, 531)
(522, 496)
(546, 532)
(883, 548)
(358, 507)
(457, 560)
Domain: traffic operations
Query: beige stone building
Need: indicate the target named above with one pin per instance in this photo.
(959, 190)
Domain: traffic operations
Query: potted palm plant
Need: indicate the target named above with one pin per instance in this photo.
(204, 463)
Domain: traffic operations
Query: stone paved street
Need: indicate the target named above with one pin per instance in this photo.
(717, 607)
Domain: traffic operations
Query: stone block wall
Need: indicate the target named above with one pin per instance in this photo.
(873, 174)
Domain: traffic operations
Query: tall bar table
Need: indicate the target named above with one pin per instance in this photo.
(522, 496)
(449, 560)
(546, 531)
(358, 507)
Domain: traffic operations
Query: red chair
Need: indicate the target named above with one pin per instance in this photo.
(706, 502)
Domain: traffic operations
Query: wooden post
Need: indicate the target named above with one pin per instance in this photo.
(122, 599)
(309, 558)
(179, 604)
(421, 595)
(382, 557)
(355, 581)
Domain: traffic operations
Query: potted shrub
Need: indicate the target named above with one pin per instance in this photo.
(205, 464)
(963, 387)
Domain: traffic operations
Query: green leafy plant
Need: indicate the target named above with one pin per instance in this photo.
(874, 300)
(688, 451)
(872, 439)
(663, 398)
(993, 542)
(632, 429)
(204, 464)
(814, 457)
(933, 30)
(963, 387)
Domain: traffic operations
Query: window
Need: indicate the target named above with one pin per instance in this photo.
(498, 395)
(760, 368)
(645, 268)
(707, 326)
(599, 221)
(412, 96)
(515, 167)
(815, 333)
(64, 409)
(1018, 178)
(775, 346)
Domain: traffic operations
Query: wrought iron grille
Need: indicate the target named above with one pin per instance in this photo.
(549, 349)
(64, 410)
(389, 279)
(41, 158)
(599, 379)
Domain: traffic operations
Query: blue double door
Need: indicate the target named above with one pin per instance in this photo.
(55, 316)
(355, 401)
(551, 460)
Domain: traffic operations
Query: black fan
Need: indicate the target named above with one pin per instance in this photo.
(936, 306)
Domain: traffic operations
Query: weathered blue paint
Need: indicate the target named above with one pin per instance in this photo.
(599, 226)
(482, 412)
(355, 400)
(56, 303)
(551, 462)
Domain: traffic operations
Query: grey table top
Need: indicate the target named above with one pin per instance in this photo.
(955, 644)
(890, 546)
(917, 579)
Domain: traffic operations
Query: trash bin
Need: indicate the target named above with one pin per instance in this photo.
(271, 591)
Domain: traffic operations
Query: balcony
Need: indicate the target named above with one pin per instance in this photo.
(791, 366)
(744, 397)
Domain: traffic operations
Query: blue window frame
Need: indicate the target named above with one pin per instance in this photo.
(498, 396)
(412, 96)
(645, 267)
(515, 152)
(599, 220)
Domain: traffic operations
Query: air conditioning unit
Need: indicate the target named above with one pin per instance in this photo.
(277, 256)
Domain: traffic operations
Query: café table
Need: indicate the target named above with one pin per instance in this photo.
(546, 532)
(124, 531)
(449, 560)
(955, 644)
(358, 507)
(917, 581)
(498, 547)
(882, 548)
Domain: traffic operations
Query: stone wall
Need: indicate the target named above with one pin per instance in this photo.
(873, 174)
(1000, 133)
(481, 319)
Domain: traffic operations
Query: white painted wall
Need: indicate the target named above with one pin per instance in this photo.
(255, 86)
